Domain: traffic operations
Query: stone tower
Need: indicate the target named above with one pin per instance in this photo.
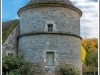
(50, 35)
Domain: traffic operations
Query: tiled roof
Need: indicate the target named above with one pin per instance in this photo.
(66, 2)
(7, 27)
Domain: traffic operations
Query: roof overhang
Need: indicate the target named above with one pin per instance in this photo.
(49, 5)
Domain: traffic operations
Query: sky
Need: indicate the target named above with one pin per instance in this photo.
(89, 25)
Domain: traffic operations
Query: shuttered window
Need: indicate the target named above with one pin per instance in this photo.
(50, 58)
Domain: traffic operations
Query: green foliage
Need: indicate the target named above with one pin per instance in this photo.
(69, 70)
(16, 65)
(91, 59)
(8, 31)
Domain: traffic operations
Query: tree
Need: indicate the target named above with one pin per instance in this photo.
(16, 65)
(89, 43)
(84, 69)
(83, 54)
(92, 59)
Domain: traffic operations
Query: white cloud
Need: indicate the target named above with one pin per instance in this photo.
(89, 20)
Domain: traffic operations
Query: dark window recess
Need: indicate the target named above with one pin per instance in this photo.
(50, 27)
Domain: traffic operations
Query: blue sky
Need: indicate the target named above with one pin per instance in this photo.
(89, 20)
(11, 7)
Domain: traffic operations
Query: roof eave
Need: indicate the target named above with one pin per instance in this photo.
(49, 5)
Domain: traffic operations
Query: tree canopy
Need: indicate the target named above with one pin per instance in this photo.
(90, 53)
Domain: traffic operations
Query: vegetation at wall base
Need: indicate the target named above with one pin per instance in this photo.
(69, 70)
(16, 65)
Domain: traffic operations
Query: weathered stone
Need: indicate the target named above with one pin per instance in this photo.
(10, 44)
(64, 42)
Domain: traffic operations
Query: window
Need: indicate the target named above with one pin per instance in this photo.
(50, 27)
(50, 58)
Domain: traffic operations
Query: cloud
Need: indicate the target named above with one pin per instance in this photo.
(89, 20)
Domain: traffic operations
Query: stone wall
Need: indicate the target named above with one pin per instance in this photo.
(10, 44)
(35, 40)
(34, 20)
(66, 48)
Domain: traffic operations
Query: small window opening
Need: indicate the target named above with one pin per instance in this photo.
(50, 27)
(50, 58)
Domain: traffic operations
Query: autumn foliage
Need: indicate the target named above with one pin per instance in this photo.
(90, 54)
(83, 54)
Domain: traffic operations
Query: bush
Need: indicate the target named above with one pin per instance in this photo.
(16, 65)
(69, 70)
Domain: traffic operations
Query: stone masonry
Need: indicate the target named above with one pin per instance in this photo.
(10, 45)
(47, 34)
(64, 42)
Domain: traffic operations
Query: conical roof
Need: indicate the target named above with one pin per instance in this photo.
(66, 2)
(43, 3)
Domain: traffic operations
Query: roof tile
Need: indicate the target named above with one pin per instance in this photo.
(66, 2)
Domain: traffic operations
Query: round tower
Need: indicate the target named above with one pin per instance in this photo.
(50, 35)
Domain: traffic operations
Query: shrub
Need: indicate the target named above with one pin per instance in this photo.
(69, 70)
(16, 65)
